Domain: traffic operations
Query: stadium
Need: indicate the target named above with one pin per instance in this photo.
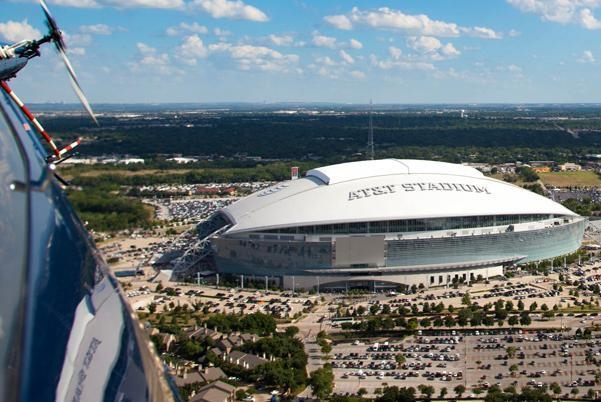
(384, 223)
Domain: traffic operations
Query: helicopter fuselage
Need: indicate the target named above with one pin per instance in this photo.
(10, 67)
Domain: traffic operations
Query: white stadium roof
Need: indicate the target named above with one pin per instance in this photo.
(364, 169)
(384, 190)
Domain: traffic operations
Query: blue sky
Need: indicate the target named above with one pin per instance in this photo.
(410, 51)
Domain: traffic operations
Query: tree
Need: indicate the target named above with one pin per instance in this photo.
(591, 394)
(400, 359)
(396, 394)
(525, 318)
(190, 349)
(464, 316)
(510, 350)
(520, 305)
(513, 320)
(326, 348)
(459, 390)
(152, 307)
(322, 382)
(374, 308)
(291, 331)
(555, 388)
(548, 314)
(361, 391)
(449, 321)
(513, 369)
(240, 394)
(425, 322)
(426, 390)
(527, 174)
(466, 300)
(488, 320)
(495, 395)
(443, 392)
(533, 306)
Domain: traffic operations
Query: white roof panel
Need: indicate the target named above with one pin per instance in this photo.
(334, 174)
(384, 190)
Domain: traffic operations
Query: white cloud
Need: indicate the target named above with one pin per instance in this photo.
(395, 20)
(165, 4)
(346, 57)
(221, 32)
(401, 64)
(76, 51)
(97, 29)
(424, 44)
(191, 50)
(324, 41)
(249, 57)
(78, 39)
(586, 57)
(339, 21)
(395, 52)
(588, 20)
(355, 44)
(14, 31)
(144, 49)
(562, 11)
(326, 67)
(330, 42)
(512, 68)
(78, 3)
(432, 48)
(482, 32)
(185, 27)
(327, 61)
(449, 50)
(232, 9)
(331, 69)
(148, 59)
(281, 40)
(514, 33)
(550, 10)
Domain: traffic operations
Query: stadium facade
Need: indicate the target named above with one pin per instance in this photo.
(388, 222)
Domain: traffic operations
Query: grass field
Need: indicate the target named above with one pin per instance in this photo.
(566, 179)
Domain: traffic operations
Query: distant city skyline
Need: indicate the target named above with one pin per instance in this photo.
(404, 52)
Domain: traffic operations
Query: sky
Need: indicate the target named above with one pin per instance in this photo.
(406, 51)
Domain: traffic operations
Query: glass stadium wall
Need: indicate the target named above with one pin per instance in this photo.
(289, 256)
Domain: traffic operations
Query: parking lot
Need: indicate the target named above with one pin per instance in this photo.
(475, 359)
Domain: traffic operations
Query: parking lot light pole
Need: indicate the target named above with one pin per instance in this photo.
(465, 361)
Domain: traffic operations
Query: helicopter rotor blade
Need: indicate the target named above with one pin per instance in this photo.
(54, 31)
(57, 37)
(76, 87)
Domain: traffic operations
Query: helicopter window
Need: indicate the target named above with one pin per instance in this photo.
(13, 246)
